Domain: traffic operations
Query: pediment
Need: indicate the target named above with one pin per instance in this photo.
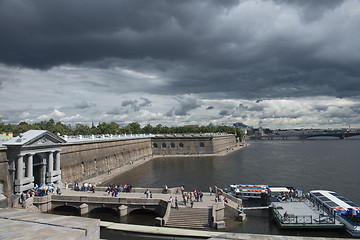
(35, 138)
(44, 140)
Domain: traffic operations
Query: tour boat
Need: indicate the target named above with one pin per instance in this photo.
(245, 191)
(345, 211)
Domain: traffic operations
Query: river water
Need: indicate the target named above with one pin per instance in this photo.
(309, 165)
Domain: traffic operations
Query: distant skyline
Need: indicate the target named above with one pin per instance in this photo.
(270, 63)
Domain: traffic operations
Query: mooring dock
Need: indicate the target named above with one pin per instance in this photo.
(302, 214)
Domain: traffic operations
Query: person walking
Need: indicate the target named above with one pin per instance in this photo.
(171, 202)
(176, 203)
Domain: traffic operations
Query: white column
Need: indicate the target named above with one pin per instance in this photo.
(29, 169)
(19, 167)
(51, 162)
(57, 160)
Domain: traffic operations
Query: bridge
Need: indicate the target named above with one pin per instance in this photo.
(304, 136)
(203, 214)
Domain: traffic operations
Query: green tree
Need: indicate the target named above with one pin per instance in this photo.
(81, 129)
(135, 127)
(148, 129)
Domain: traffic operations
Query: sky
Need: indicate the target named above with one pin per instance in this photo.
(270, 63)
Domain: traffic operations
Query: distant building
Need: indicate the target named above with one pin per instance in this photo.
(243, 127)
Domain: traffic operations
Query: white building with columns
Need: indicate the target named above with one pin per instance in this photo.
(34, 159)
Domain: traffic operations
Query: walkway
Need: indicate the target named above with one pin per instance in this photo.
(139, 193)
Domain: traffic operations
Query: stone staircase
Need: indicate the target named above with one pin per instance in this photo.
(186, 217)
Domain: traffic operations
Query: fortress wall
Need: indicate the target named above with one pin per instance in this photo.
(182, 145)
(192, 144)
(223, 142)
(82, 160)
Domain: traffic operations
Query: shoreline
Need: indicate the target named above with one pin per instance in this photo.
(98, 180)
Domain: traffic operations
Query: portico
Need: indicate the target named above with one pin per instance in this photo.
(34, 159)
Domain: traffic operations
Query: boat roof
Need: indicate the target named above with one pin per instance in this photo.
(334, 200)
(248, 185)
(279, 189)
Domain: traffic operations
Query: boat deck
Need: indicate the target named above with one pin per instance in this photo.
(302, 214)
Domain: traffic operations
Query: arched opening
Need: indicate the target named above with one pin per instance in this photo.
(104, 214)
(172, 145)
(202, 144)
(163, 145)
(155, 145)
(142, 216)
(37, 170)
(181, 145)
(66, 210)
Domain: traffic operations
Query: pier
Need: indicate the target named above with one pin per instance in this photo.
(302, 214)
(204, 214)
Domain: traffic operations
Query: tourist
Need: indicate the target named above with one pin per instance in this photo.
(171, 202)
(210, 190)
(165, 190)
(58, 191)
(147, 193)
(176, 203)
(201, 196)
(192, 203)
(185, 199)
(225, 200)
(150, 194)
(182, 188)
(115, 192)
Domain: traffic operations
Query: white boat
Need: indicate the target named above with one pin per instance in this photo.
(246, 191)
(345, 211)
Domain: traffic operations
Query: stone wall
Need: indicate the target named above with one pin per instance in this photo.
(5, 183)
(83, 160)
(223, 143)
(192, 144)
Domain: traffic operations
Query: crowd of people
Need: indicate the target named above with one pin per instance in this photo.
(39, 191)
(85, 187)
(189, 198)
(114, 190)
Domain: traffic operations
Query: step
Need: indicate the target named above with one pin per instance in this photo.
(198, 218)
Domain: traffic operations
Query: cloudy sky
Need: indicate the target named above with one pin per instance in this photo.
(274, 63)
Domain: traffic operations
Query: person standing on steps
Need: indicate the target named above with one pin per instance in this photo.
(176, 203)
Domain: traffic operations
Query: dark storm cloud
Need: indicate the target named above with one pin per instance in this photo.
(224, 113)
(115, 111)
(84, 105)
(42, 34)
(135, 105)
(244, 50)
(312, 10)
(186, 104)
(210, 107)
